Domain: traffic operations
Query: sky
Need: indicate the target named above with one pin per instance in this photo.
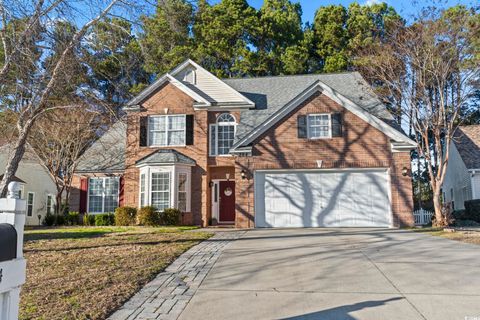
(405, 8)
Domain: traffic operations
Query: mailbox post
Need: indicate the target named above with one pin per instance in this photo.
(12, 263)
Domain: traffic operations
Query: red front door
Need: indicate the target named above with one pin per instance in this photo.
(227, 201)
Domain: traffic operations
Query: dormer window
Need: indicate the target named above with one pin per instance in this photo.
(222, 134)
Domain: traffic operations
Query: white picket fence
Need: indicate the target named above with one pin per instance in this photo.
(12, 272)
(422, 216)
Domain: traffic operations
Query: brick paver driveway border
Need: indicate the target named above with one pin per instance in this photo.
(167, 295)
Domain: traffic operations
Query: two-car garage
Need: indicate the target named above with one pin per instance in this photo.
(322, 198)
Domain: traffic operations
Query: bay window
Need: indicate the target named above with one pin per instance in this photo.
(165, 187)
(103, 194)
(222, 134)
(167, 130)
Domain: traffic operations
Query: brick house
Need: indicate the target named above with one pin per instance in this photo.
(286, 151)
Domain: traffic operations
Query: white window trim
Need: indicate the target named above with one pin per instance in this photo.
(213, 149)
(174, 171)
(52, 203)
(21, 192)
(329, 126)
(103, 194)
(33, 202)
(166, 131)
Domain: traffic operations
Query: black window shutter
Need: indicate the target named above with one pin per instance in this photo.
(337, 125)
(143, 131)
(302, 126)
(189, 130)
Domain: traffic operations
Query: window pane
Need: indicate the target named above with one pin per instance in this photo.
(176, 138)
(213, 140)
(49, 204)
(156, 123)
(182, 194)
(182, 182)
(142, 190)
(30, 204)
(225, 138)
(157, 130)
(161, 200)
(95, 186)
(157, 138)
(319, 126)
(95, 204)
(176, 122)
(182, 201)
(160, 190)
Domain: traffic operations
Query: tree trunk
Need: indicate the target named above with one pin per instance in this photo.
(437, 204)
(15, 158)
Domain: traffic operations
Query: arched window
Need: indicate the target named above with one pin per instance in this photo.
(222, 134)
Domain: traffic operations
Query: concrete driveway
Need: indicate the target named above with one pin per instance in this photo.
(341, 274)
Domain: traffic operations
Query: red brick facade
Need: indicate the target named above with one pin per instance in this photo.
(361, 146)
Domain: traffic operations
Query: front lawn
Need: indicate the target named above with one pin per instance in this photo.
(88, 272)
(458, 235)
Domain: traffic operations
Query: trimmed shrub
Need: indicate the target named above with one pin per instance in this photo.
(148, 216)
(125, 216)
(459, 214)
(170, 217)
(49, 220)
(104, 219)
(88, 219)
(72, 218)
(60, 220)
(472, 210)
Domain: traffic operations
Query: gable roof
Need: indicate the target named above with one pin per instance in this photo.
(107, 154)
(467, 141)
(274, 95)
(166, 156)
(207, 90)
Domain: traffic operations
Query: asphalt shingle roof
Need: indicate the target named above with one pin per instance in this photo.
(166, 156)
(272, 93)
(467, 141)
(269, 95)
(107, 154)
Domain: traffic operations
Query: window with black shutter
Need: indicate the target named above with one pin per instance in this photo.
(302, 126)
(143, 131)
(337, 130)
(189, 130)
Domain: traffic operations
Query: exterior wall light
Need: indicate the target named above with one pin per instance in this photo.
(243, 174)
(405, 171)
(228, 176)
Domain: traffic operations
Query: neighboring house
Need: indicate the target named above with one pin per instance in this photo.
(462, 179)
(39, 190)
(286, 151)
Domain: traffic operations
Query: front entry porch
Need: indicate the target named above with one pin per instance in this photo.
(222, 196)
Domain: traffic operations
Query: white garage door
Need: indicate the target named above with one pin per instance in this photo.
(322, 199)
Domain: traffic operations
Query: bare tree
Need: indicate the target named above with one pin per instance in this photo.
(32, 71)
(60, 137)
(432, 67)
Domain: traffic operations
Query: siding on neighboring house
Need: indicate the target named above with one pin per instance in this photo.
(476, 186)
(37, 180)
(457, 180)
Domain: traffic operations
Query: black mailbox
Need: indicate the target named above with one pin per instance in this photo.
(8, 242)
